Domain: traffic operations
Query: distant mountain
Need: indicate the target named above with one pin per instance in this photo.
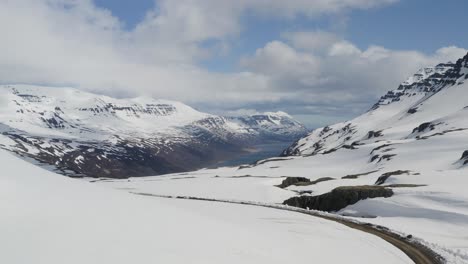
(84, 134)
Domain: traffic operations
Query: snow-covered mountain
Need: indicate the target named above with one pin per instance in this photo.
(87, 134)
(402, 165)
(432, 102)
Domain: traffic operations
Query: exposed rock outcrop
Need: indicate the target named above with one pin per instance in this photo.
(302, 181)
(339, 198)
(294, 181)
(384, 177)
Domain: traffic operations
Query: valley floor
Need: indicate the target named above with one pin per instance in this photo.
(48, 218)
(435, 213)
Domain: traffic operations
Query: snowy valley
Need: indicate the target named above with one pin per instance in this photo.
(233, 132)
(410, 150)
(399, 168)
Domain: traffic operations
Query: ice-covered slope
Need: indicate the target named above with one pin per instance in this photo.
(94, 135)
(49, 219)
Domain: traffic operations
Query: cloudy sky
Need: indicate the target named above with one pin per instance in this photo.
(320, 60)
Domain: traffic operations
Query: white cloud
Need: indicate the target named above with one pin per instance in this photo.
(242, 112)
(342, 80)
(279, 60)
(343, 48)
(74, 43)
(314, 41)
(310, 7)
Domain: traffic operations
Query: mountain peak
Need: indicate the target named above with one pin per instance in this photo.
(429, 72)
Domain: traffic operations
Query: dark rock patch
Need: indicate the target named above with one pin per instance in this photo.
(302, 181)
(339, 198)
(424, 126)
(387, 150)
(260, 162)
(294, 181)
(304, 192)
(387, 157)
(252, 176)
(374, 158)
(349, 147)
(355, 176)
(357, 143)
(380, 147)
(384, 177)
(441, 133)
(404, 185)
(374, 134)
(329, 151)
(464, 157)
(321, 180)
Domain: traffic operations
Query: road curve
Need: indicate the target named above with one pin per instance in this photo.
(416, 251)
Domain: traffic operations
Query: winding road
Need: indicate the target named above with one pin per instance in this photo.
(416, 251)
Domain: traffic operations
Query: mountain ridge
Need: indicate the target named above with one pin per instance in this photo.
(400, 107)
(81, 133)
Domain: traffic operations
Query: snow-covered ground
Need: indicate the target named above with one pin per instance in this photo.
(47, 218)
(436, 213)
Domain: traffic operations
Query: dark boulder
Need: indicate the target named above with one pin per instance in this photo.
(339, 198)
(294, 181)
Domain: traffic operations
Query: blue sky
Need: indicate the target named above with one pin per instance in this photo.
(131, 12)
(320, 61)
(424, 25)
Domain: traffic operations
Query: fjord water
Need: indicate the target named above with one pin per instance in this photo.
(257, 152)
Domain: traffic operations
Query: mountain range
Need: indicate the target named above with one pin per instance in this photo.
(84, 134)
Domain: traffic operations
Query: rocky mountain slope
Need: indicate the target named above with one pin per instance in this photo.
(81, 133)
(430, 103)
